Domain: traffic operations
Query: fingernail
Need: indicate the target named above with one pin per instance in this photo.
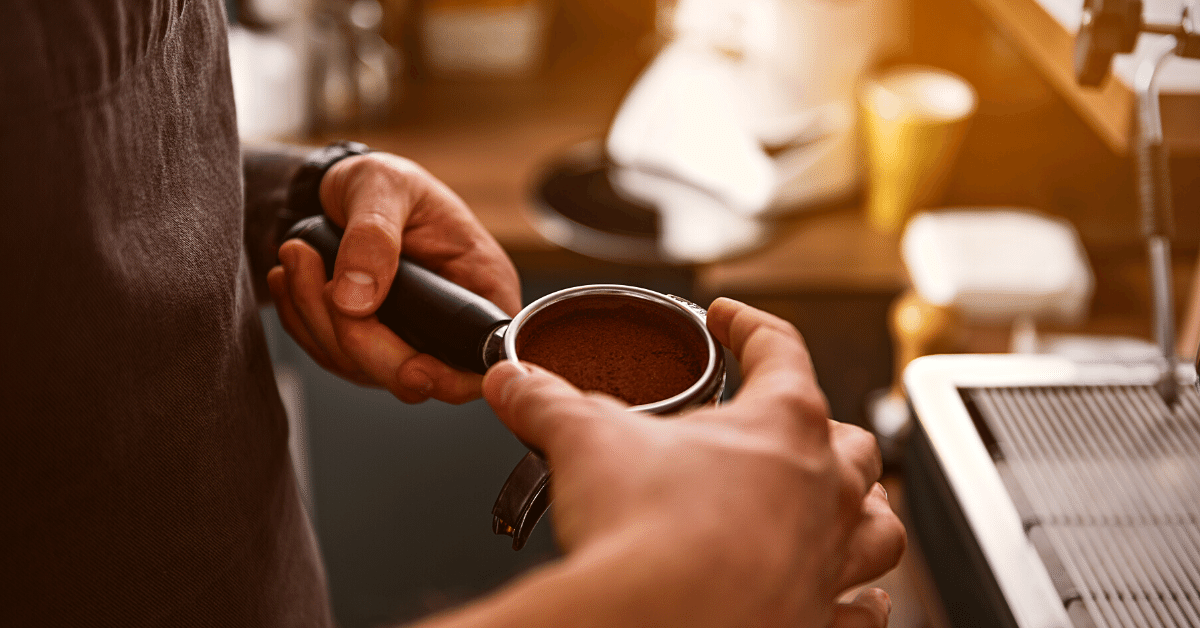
(888, 600)
(355, 290)
(418, 380)
(520, 373)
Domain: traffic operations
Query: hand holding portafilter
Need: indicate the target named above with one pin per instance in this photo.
(761, 511)
(613, 332)
(437, 316)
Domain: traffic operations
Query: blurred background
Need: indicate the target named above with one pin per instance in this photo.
(775, 151)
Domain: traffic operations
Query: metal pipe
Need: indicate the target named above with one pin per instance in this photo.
(1154, 196)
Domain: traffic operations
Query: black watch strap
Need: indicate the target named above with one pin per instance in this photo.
(304, 192)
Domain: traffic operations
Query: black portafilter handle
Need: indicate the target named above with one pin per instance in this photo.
(432, 314)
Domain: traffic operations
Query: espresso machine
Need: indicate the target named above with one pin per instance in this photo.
(1049, 492)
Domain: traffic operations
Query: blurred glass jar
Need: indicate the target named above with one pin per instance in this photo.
(304, 66)
(355, 73)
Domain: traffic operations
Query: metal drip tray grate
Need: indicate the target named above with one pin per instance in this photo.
(1107, 482)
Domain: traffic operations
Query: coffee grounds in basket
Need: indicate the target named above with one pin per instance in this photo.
(626, 347)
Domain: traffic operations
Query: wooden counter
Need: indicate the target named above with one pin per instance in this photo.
(825, 251)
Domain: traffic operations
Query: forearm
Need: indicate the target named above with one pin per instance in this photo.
(640, 581)
(268, 170)
(608, 588)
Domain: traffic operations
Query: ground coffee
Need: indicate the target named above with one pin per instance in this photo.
(626, 347)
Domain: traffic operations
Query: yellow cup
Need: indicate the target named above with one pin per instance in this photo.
(913, 121)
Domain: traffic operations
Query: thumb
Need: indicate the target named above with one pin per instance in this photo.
(366, 263)
(538, 406)
(361, 194)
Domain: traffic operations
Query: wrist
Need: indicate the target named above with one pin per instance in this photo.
(692, 577)
(304, 190)
(268, 171)
(334, 185)
(654, 579)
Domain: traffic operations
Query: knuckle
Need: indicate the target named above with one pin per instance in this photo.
(569, 433)
(362, 166)
(530, 393)
(352, 339)
(898, 536)
(393, 172)
(799, 399)
(409, 396)
(777, 329)
(308, 302)
(580, 428)
(786, 329)
(791, 400)
(864, 447)
(373, 166)
(376, 229)
(850, 501)
(860, 440)
(458, 396)
(393, 163)
(596, 402)
(874, 459)
(787, 338)
(851, 493)
(813, 405)
(368, 221)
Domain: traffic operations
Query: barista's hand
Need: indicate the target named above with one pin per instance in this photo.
(760, 512)
(385, 203)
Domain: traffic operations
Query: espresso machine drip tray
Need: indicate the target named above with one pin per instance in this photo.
(1048, 494)
(1106, 480)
